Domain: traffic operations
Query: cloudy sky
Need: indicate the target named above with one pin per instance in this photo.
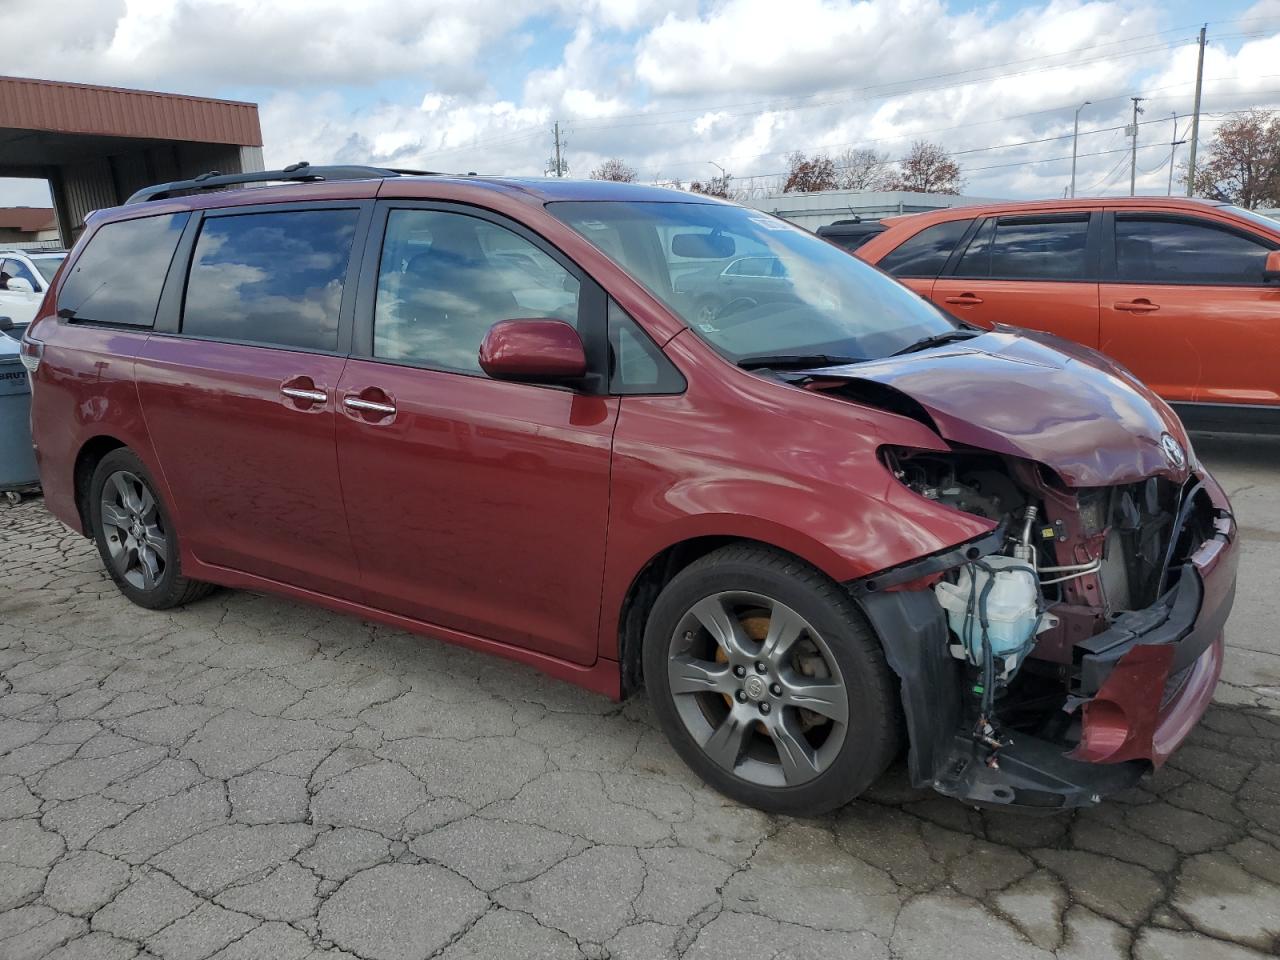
(669, 87)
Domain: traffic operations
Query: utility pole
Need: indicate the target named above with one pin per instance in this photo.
(1195, 118)
(1173, 149)
(1075, 141)
(1133, 157)
(557, 163)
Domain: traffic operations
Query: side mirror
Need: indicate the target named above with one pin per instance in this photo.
(1271, 269)
(19, 285)
(6, 324)
(535, 351)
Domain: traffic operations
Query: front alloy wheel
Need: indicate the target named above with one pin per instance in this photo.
(758, 689)
(769, 681)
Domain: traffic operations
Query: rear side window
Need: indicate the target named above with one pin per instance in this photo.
(1021, 249)
(117, 279)
(270, 278)
(925, 254)
(1176, 251)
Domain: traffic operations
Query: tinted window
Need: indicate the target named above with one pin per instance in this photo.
(846, 241)
(1028, 250)
(117, 279)
(637, 365)
(270, 278)
(925, 254)
(1169, 251)
(446, 278)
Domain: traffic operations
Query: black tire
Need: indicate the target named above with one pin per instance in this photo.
(158, 585)
(870, 738)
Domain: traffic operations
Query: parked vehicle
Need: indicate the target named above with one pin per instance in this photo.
(850, 234)
(24, 278)
(808, 525)
(1183, 292)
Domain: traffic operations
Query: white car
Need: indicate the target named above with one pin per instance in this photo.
(24, 277)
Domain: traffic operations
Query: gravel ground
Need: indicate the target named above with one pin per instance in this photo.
(251, 778)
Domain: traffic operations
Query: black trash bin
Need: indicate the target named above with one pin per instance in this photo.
(18, 473)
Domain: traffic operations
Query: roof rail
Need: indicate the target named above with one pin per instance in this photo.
(301, 172)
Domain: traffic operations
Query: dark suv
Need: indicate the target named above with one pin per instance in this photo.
(813, 523)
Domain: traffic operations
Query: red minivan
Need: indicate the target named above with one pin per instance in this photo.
(818, 521)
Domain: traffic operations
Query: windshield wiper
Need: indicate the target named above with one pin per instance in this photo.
(795, 361)
(937, 340)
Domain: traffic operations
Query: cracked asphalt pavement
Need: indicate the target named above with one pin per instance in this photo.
(251, 778)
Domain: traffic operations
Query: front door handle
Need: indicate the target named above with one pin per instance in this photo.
(1141, 305)
(300, 393)
(964, 300)
(304, 393)
(368, 406)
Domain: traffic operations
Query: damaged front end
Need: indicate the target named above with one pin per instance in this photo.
(1069, 651)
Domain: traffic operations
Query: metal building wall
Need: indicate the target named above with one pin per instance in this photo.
(79, 189)
(112, 111)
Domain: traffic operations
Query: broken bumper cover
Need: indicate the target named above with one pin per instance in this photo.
(1143, 685)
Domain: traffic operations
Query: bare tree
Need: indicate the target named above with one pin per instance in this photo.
(809, 174)
(928, 168)
(1244, 161)
(862, 168)
(715, 187)
(615, 170)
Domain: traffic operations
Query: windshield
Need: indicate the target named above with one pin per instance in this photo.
(48, 266)
(752, 285)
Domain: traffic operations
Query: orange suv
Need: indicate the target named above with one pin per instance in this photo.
(1182, 292)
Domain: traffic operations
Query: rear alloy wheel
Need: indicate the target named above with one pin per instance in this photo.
(769, 682)
(135, 535)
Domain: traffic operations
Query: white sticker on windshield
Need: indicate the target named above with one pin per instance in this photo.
(771, 223)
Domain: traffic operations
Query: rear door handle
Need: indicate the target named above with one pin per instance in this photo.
(964, 300)
(1141, 305)
(368, 406)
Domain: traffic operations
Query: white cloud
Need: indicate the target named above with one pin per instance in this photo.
(194, 44)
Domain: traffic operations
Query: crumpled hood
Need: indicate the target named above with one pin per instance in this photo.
(1039, 397)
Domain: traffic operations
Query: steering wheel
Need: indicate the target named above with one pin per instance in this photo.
(736, 305)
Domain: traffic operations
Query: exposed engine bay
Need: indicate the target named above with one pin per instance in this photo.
(1064, 568)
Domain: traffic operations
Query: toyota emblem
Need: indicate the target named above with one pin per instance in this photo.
(1173, 451)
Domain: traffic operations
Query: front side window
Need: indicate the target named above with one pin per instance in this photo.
(1009, 248)
(819, 300)
(446, 278)
(270, 278)
(925, 254)
(16, 269)
(1179, 251)
(637, 365)
(118, 277)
